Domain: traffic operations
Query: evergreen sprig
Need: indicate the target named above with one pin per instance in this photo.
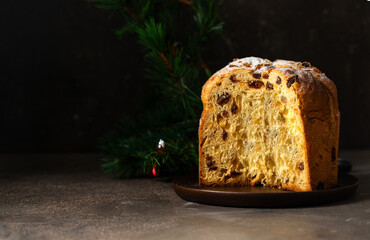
(174, 35)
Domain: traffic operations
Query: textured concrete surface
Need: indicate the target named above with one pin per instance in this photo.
(72, 205)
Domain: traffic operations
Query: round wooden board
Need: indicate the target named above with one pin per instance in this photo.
(188, 189)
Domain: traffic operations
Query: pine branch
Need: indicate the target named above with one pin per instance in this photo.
(176, 70)
(136, 156)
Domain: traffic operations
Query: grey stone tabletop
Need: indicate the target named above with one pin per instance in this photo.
(75, 204)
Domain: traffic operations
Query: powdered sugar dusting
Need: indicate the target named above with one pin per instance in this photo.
(258, 65)
(253, 63)
(286, 63)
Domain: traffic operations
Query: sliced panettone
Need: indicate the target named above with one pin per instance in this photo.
(270, 123)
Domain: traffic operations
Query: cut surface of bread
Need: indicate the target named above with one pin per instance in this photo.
(269, 123)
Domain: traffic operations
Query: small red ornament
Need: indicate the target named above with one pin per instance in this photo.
(155, 170)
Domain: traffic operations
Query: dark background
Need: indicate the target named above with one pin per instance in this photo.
(65, 79)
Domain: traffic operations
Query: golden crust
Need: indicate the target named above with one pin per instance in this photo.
(320, 115)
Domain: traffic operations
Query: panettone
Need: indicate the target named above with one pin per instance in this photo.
(269, 123)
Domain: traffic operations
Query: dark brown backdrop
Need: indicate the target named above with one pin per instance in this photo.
(65, 79)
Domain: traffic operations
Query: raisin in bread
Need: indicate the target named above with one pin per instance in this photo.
(270, 123)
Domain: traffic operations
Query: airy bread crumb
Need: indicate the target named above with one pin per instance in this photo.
(269, 123)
